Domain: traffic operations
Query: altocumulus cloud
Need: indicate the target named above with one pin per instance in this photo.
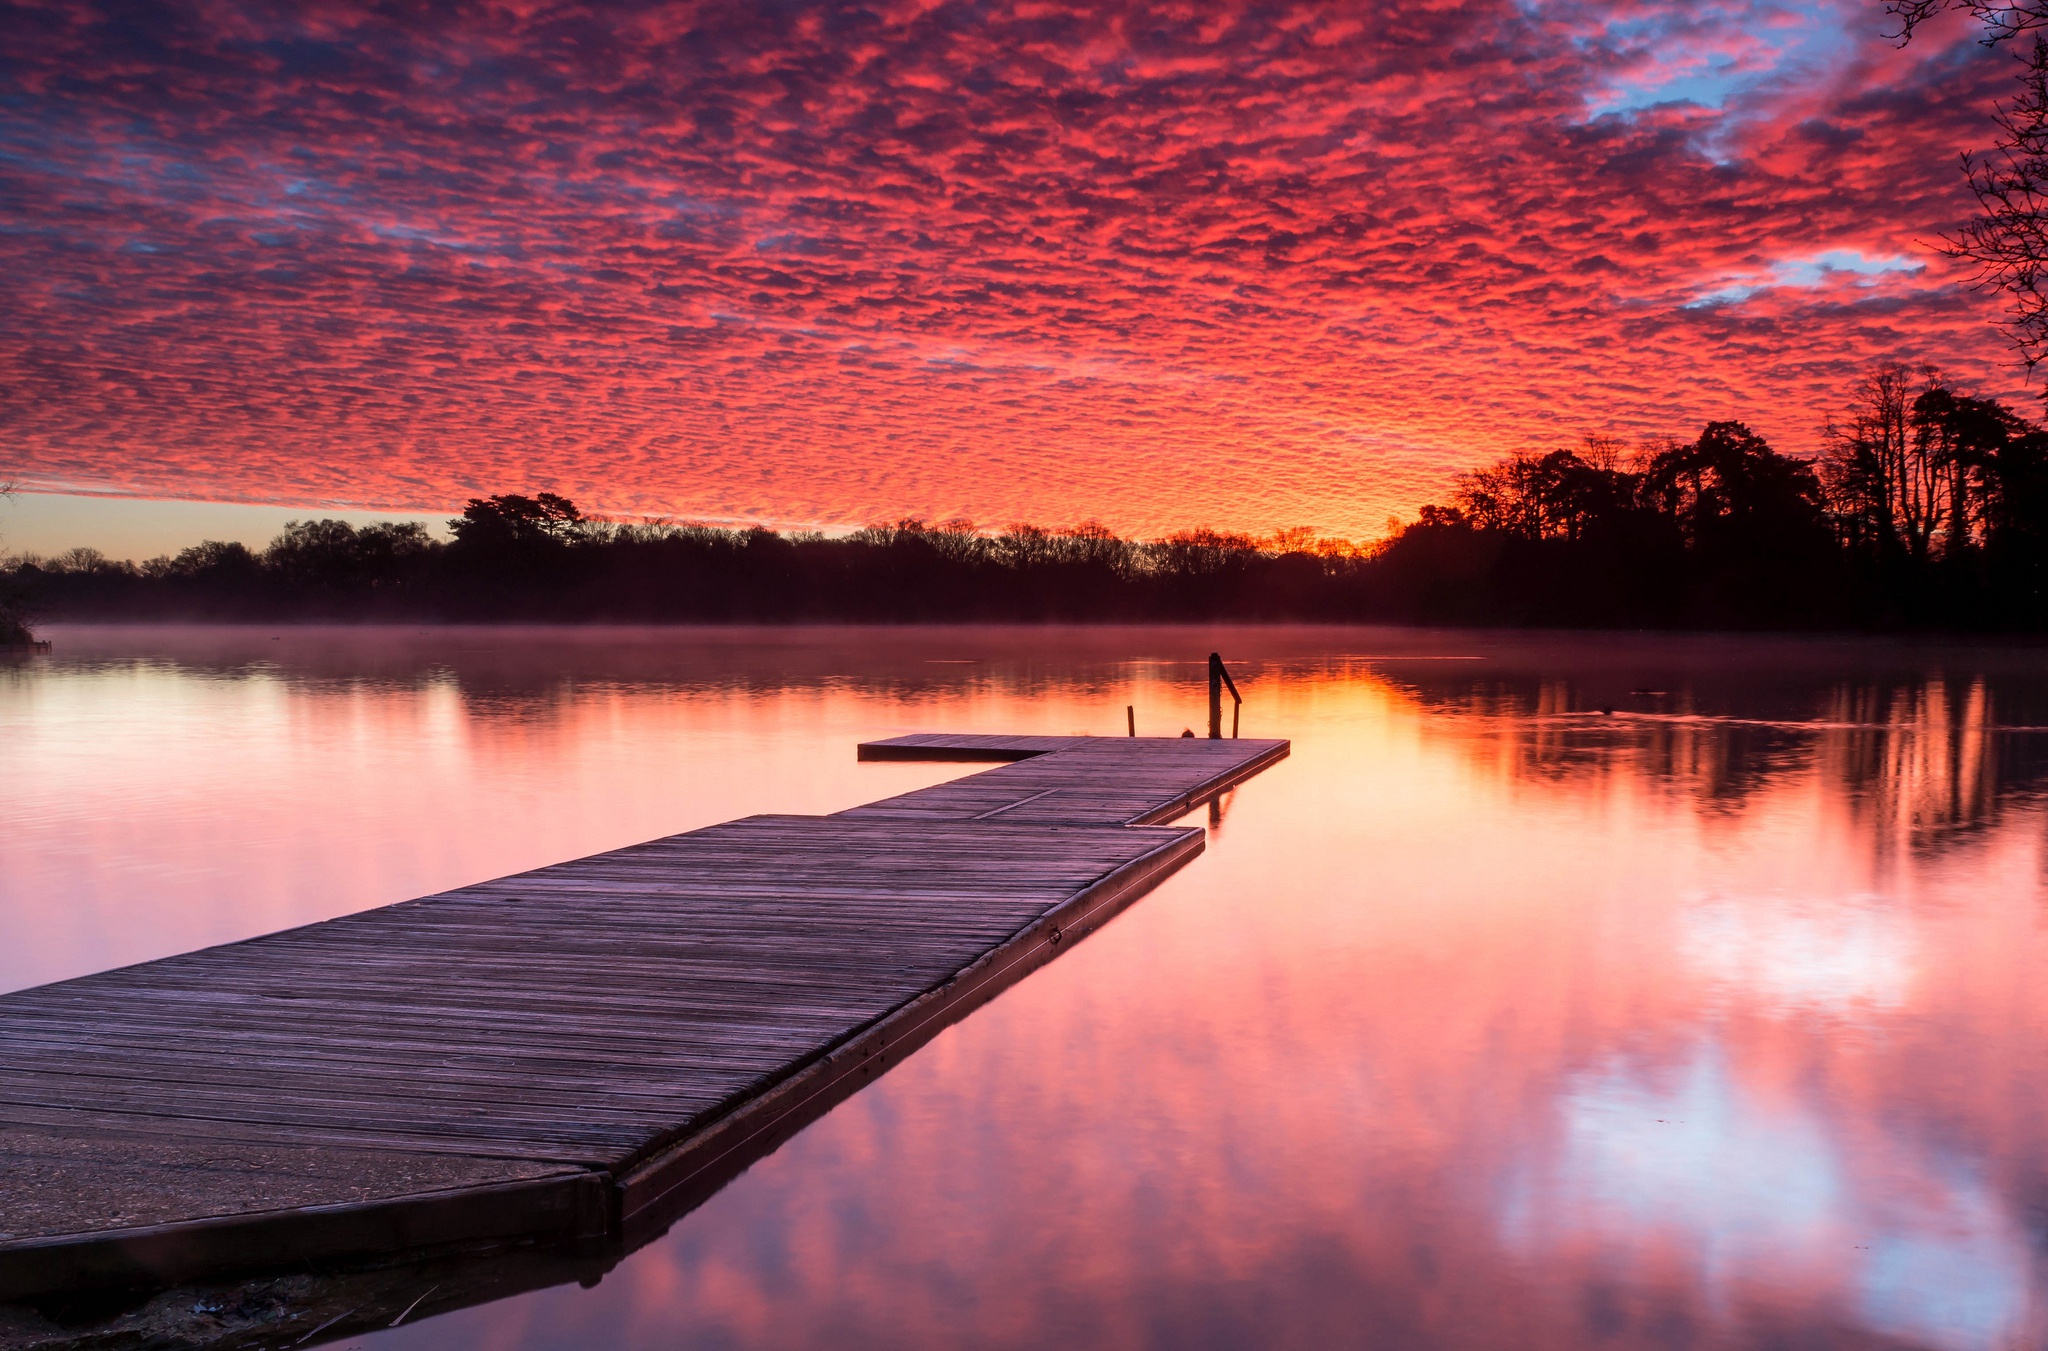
(1168, 264)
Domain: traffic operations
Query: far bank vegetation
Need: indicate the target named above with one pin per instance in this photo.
(1929, 509)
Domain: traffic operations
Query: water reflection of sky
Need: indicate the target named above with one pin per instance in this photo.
(1490, 1018)
(1791, 955)
(1759, 1194)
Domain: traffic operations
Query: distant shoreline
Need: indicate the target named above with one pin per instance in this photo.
(1719, 535)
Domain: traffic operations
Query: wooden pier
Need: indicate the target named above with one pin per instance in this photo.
(581, 1052)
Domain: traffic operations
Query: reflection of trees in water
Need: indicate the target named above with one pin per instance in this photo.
(1721, 766)
(1566, 730)
(1920, 759)
(1927, 761)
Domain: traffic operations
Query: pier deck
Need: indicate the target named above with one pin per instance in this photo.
(583, 1051)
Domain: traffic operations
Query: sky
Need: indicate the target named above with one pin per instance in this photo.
(1165, 265)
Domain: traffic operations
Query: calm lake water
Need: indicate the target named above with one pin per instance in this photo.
(1557, 992)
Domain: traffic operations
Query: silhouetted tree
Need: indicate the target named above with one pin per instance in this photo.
(17, 603)
(1553, 496)
(389, 549)
(2016, 534)
(509, 520)
(1090, 547)
(1915, 474)
(215, 560)
(1553, 538)
(509, 545)
(1753, 523)
(1864, 466)
(2016, 514)
(314, 554)
(1201, 554)
(1730, 494)
(15, 614)
(1959, 439)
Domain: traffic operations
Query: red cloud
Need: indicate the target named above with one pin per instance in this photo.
(1245, 266)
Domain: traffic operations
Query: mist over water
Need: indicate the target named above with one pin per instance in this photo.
(1557, 991)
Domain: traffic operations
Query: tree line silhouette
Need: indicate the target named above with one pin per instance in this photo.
(1928, 509)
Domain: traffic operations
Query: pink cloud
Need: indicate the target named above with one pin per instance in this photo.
(1248, 266)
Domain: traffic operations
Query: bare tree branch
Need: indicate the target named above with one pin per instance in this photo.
(2008, 241)
(2003, 19)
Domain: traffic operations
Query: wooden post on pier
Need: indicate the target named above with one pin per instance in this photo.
(1218, 678)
